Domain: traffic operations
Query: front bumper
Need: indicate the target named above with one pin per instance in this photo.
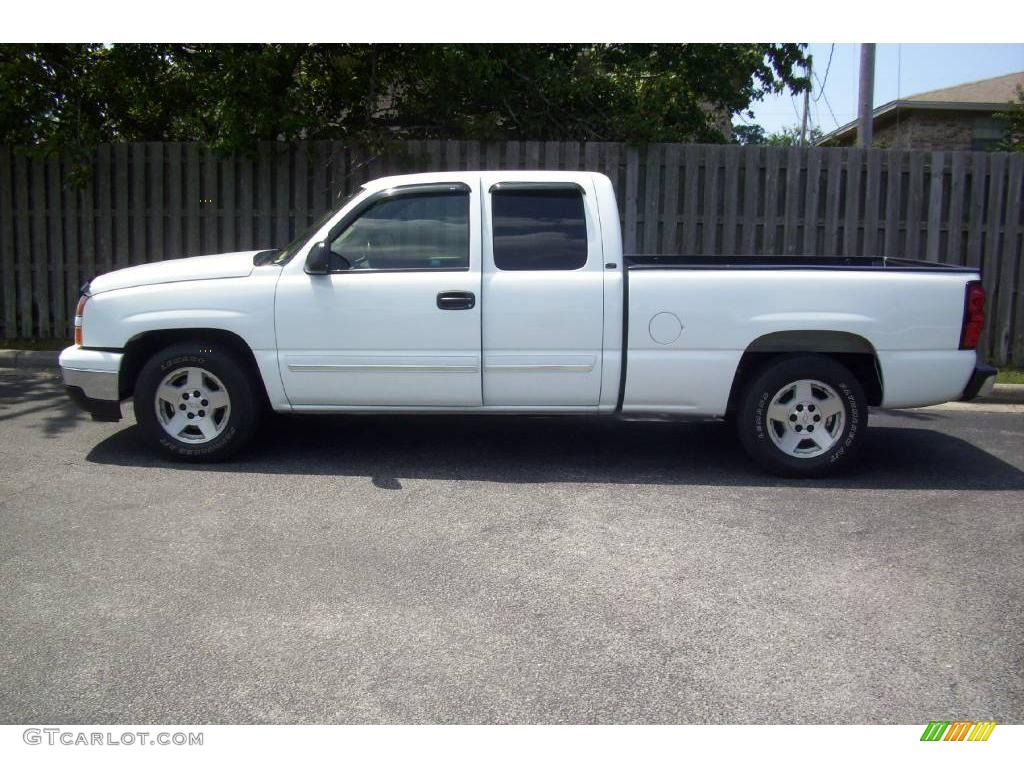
(981, 382)
(92, 381)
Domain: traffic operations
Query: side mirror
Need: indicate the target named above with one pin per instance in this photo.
(318, 262)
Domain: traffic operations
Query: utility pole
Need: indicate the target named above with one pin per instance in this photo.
(867, 95)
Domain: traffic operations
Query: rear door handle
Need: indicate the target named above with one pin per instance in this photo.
(456, 300)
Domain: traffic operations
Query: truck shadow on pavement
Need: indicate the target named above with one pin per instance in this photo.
(388, 449)
(46, 398)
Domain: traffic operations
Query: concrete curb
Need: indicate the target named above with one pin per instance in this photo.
(1004, 393)
(28, 358)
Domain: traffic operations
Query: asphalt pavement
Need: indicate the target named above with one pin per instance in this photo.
(493, 569)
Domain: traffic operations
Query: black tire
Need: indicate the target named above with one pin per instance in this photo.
(753, 423)
(240, 420)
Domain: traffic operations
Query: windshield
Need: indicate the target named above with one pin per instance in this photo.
(286, 253)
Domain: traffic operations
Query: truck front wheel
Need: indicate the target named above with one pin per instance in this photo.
(802, 416)
(194, 402)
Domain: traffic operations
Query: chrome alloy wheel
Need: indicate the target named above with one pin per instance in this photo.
(806, 418)
(192, 405)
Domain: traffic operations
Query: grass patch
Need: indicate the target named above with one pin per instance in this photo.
(36, 344)
(1010, 376)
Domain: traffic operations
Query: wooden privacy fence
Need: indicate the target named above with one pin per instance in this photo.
(152, 201)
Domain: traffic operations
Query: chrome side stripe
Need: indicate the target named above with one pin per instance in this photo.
(550, 368)
(383, 368)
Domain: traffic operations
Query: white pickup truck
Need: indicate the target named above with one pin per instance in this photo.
(508, 293)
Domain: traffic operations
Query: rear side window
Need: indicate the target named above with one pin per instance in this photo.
(539, 229)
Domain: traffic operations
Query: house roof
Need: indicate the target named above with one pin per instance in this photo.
(990, 95)
(994, 90)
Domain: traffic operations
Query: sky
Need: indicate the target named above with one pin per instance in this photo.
(900, 70)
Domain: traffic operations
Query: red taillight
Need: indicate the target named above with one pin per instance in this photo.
(974, 315)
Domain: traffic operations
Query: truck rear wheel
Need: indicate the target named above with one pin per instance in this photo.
(802, 416)
(194, 402)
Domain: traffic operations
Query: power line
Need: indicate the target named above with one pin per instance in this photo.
(827, 68)
(826, 102)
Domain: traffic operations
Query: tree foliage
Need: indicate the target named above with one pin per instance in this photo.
(752, 133)
(68, 98)
(1013, 115)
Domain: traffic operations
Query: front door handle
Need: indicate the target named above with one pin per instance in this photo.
(456, 300)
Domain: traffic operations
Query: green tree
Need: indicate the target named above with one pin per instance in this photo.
(790, 137)
(67, 98)
(748, 134)
(1013, 139)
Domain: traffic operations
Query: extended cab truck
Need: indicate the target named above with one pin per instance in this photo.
(508, 292)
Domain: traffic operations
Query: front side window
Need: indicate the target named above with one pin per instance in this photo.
(414, 231)
(539, 229)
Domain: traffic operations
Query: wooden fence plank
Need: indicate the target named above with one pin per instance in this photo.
(990, 271)
(692, 202)
(751, 183)
(670, 216)
(104, 211)
(226, 207)
(533, 156)
(193, 196)
(473, 154)
(320, 198)
(1017, 245)
(7, 248)
(209, 221)
(731, 159)
(652, 185)
(300, 173)
(23, 246)
(137, 252)
(893, 194)
(832, 201)
(87, 230)
(40, 265)
(610, 167)
(629, 243)
(58, 308)
(492, 156)
(871, 202)
(513, 155)
(70, 219)
(771, 199)
(121, 193)
(155, 206)
(811, 203)
(282, 199)
(914, 206)
(245, 201)
(1011, 272)
(976, 208)
(792, 215)
(954, 228)
(937, 175)
(175, 244)
(851, 203)
(264, 202)
(709, 214)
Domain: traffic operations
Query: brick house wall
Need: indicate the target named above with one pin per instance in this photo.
(937, 130)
